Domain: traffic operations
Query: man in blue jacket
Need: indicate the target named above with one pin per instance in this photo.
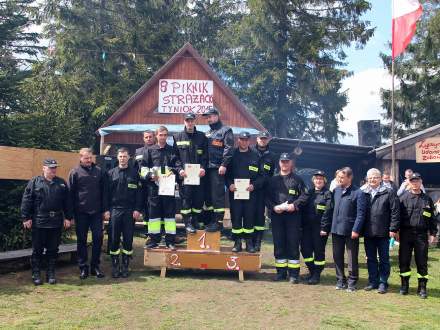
(349, 210)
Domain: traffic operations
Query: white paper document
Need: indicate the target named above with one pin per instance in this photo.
(167, 185)
(192, 175)
(241, 185)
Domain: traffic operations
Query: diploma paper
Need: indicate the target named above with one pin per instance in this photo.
(241, 185)
(167, 185)
(192, 174)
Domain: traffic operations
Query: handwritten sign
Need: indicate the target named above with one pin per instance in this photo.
(428, 150)
(183, 96)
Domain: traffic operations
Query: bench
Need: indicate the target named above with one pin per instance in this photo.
(19, 254)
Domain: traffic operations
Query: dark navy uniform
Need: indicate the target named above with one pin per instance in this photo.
(192, 148)
(47, 204)
(139, 155)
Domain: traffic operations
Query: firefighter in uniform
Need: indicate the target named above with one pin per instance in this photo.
(417, 220)
(161, 159)
(192, 147)
(123, 202)
(45, 209)
(314, 236)
(267, 164)
(149, 140)
(220, 147)
(285, 197)
(243, 165)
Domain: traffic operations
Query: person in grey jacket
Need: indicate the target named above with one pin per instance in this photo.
(349, 210)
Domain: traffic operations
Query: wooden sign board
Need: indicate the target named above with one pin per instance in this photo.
(203, 241)
(428, 150)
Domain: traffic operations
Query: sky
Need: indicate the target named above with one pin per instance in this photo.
(369, 74)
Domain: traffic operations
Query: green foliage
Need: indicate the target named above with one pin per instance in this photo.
(417, 72)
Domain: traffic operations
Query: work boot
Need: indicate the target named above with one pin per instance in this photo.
(316, 277)
(171, 246)
(115, 266)
(125, 263)
(237, 245)
(404, 288)
(50, 275)
(189, 227)
(36, 273)
(96, 271)
(258, 237)
(421, 289)
(212, 226)
(83, 272)
(281, 275)
(249, 245)
(294, 276)
(311, 267)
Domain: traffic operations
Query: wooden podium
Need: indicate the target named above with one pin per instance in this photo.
(203, 251)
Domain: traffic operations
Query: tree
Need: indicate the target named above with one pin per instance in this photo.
(417, 71)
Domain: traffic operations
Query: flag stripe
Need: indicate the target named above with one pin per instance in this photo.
(403, 29)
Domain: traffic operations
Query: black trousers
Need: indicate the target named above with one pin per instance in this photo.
(286, 232)
(417, 241)
(340, 244)
(162, 210)
(84, 222)
(242, 216)
(260, 217)
(45, 239)
(215, 193)
(192, 198)
(121, 223)
(313, 245)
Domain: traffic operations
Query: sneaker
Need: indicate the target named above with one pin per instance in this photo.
(351, 288)
(370, 287)
(340, 285)
(383, 288)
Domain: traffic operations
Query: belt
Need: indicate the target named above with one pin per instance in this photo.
(50, 214)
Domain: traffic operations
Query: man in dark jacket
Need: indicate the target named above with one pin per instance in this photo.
(123, 203)
(349, 209)
(86, 184)
(45, 209)
(416, 223)
(381, 223)
(220, 147)
(192, 148)
(267, 164)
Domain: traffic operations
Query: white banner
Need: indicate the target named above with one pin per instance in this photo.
(183, 96)
(428, 150)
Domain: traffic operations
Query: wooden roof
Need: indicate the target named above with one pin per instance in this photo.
(185, 64)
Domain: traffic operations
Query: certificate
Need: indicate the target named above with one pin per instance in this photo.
(192, 175)
(167, 185)
(241, 186)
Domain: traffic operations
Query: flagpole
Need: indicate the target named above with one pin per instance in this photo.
(393, 150)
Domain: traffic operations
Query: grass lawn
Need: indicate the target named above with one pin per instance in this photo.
(215, 300)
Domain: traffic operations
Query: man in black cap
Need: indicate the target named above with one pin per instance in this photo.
(417, 220)
(243, 165)
(285, 197)
(86, 186)
(46, 208)
(123, 202)
(192, 147)
(267, 163)
(220, 147)
(314, 235)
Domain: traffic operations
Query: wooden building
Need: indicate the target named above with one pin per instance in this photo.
(145, 110)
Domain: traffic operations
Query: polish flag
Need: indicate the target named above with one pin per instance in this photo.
(405, 16)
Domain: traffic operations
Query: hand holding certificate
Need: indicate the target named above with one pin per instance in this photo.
(167, 185)
(192, 177)
(241, 188)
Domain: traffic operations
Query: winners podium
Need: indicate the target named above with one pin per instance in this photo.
(203, 251)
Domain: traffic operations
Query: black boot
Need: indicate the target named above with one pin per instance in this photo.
(404, 288)
(83, 272)
(96, 271)
(316, 276)
(50, 275)
(258, 237)
(311, 268)
(250, 245)
(125, 262)
(281, 275)
(421, 289)
(188, 225)
(294, 276)
(36, 273)
(212, 226)
(237, 245)
(115, 266)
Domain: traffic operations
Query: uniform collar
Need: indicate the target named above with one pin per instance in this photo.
(216, 125)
